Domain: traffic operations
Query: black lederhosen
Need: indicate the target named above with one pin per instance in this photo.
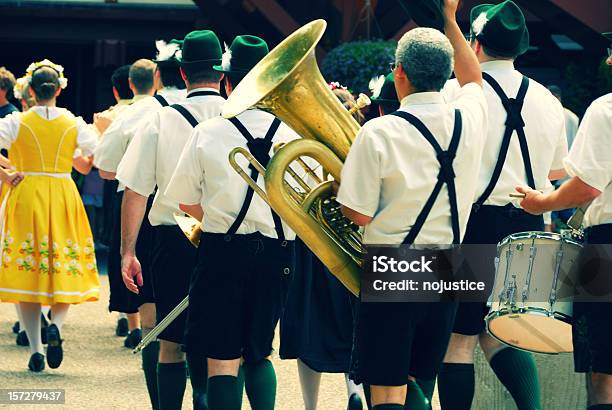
(592, 321)
(236, 296)
(121, 299)
(172, 262)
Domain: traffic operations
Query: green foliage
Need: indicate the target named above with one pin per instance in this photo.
(584, 82)
(353, 64)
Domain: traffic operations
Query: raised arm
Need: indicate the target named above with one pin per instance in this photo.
(467, 68)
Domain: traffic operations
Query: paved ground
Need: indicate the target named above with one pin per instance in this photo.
(99, 373)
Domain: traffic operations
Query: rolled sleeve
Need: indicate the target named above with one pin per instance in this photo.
(87, 139)
(561, 147)
(589, 159)
(9, 128)
(137, 169)
(185, 186)
(360, 178)
(109, 152)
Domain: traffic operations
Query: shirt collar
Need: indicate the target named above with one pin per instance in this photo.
(430, 97)
(195, 90)
(126, 101)
(497, 65)
(139, 97)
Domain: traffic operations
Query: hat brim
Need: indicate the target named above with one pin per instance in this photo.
(426, 13)
(608, 36)
(209, 63)
(230, 71)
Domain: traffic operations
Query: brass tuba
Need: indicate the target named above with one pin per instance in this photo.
(288, 84)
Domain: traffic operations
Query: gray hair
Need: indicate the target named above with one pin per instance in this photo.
(427, 58)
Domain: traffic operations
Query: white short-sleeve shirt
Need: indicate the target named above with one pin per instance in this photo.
(544, 130)
(391, 169)
(204, 175)
(590, 158)
(117, 137)
(153, 153)
(86, 138)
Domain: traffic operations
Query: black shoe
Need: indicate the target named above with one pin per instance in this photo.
(22, 339)
(55, 353)
(43, 335)
(37, 362)
(122, 327)
(354, 402)
(132, 340)
(16, 327)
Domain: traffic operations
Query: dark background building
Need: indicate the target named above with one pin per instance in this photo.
(92, 37)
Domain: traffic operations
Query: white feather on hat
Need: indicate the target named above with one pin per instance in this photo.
(479, 23)
(376, 85)
(165, 51)
(226, 59)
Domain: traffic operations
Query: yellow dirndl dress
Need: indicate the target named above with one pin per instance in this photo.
(47, 249)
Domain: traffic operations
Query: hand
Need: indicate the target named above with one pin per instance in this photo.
(533, 201)
(14, 178)
(130, 269)
(450, 9)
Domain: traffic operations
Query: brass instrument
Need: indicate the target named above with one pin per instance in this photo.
(288, 84)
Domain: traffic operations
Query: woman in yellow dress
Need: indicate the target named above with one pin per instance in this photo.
(47, 251)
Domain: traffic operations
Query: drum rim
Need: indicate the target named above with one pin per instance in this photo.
(538, 235)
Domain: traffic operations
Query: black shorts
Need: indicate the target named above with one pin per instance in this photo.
(397, 340)
(172, 262)
(236, 295)
(489, 225)
(121, 299)
(592, 325)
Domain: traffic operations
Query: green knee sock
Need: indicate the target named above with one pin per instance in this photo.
(415, 399)
(427, 387)
(223, 393)
(517, 371)
(150, 355)
(171, 381)
(260, 382)
(240, 383)
(198, 374)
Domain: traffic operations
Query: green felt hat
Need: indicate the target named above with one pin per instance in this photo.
(386, 93)
(608, 36)
(244, 53)
(200, 48)
(501, 28)
(166, 52)
(426, 13)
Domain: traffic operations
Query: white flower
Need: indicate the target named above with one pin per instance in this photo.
(73, 262)
(76, 247)
(24, 245)
(57, 265)
(55, 246)
(376, 85)
(7, 258)
(44, 261)
(29, 259)
(19, 261)
(87, 250)
(479, 23)
(165, 51)
(226, 59)
(69, 241)
(29, 236)
(10, 240)
(90, 266)
(66, 251)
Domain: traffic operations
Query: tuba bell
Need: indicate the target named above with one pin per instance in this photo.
(288, 84)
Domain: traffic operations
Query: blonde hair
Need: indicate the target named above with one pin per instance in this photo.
(7, 81)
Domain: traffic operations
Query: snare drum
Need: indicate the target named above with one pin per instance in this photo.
(531, 303)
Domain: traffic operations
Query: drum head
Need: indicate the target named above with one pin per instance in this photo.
(535, 332)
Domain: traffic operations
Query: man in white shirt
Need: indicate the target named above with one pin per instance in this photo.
(525, 143)
(145, 78)
(590, 166)
(146, 166)
(408, 179)
(245, 253)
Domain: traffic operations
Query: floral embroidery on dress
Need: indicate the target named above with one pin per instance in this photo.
(6, 249)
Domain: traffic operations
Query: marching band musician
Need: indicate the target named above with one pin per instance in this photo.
(245, 251)
(421, 157)
(148, 164)
(525, 143)
(590, 168)
(146, 79)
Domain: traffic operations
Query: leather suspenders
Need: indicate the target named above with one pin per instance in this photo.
(445, 176)
(514, 122)
(185, 112)
(161, 100)
(259, 148)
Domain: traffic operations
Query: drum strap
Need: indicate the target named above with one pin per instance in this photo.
(259, 148)
(514, 122)
(445, 176)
